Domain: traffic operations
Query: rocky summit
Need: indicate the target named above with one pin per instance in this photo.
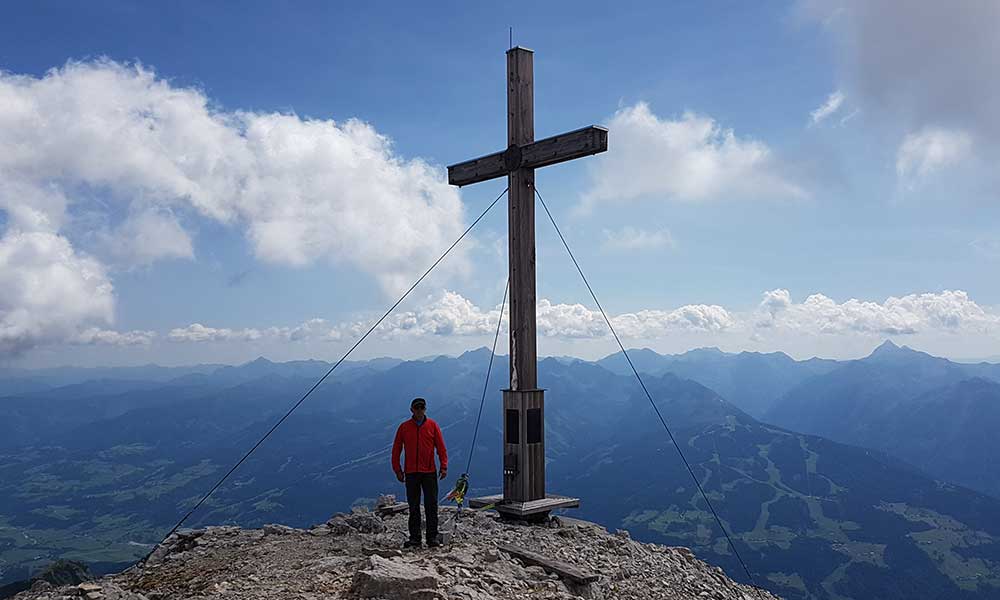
(359, 555)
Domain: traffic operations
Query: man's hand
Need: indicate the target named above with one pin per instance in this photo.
(399, 476)
(444, 473)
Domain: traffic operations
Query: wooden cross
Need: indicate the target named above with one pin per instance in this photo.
(524, 426)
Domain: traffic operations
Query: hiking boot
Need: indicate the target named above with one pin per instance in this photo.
(415, 544)
(434, 542)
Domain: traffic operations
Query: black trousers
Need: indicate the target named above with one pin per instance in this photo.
(426, 483)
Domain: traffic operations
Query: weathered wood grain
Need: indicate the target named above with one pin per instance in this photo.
(550, 151)
(565, 146)
(521, 223)
(479, 169)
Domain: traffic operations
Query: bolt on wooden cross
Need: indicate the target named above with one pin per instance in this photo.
(524, 426)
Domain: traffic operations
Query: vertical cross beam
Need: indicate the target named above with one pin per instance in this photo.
(521, 220)
(524, 405)
(523, 402)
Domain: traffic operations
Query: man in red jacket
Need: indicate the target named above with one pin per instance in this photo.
(419, 437)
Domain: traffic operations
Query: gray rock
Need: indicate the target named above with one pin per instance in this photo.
(338, 525)
(274, 529)
(365, 521)
(392, 579)
(383, 552)
(359, 521)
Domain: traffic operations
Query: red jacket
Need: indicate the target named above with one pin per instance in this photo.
(419, 442)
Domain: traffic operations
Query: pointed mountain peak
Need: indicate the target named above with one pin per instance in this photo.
(475, 353)
(886, 348)
(890, 351)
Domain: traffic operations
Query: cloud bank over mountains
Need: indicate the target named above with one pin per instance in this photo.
(778, 317)
(103, 164)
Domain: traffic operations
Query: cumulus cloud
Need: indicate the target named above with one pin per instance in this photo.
(196, 332)
(106, 337)
(920, 66)
(778, 320)
(930, 150)
(948, 311)
(630, 238)
(578, 321)
(833, 103)
(451, 314)
(111, 158)
(310, 330)
(692, 158)
(691, 318)
(304, 189)
(47, 291)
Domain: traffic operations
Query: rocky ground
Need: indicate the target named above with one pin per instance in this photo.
(358, 556)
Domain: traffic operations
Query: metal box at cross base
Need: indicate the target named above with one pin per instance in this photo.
(524, 445)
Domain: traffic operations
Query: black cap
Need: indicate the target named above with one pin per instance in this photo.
(418, 402)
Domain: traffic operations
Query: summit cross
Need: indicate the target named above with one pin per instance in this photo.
(524, 449)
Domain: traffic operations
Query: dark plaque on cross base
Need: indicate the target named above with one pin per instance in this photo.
(524, 494)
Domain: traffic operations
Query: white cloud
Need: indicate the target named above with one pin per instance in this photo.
(196, 332)
(111, 158)
(629, 238)
(689, 159)
(578, 321)
(339, 192)
(948, 311)
(569, 320)
(692, 318)
(833, 103)
(930, 150)
(48, 291)
(452, 314)
(313, 329)
(304, 189)
(944, 319)
(106, 337)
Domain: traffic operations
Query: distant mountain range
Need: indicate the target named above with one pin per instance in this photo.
(750, 380)
(97, 470)
(939, 415)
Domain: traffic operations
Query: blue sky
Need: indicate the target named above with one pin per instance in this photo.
(211, 182)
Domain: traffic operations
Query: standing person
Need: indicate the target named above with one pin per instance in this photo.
(419, 437)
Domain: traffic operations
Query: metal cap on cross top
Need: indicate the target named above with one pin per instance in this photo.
(524, 494)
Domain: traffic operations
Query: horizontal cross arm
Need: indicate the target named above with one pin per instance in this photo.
(479, 169)
(565, 146)
(552, 150)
